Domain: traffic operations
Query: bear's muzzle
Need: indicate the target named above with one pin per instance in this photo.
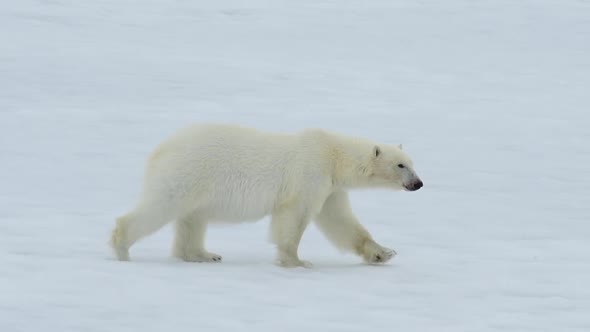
(415, 185)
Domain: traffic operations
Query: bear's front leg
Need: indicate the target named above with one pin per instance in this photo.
(286, 231)
(339, 224)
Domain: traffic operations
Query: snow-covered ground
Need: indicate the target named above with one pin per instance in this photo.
(490, 98)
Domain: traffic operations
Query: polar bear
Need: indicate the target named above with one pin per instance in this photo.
(227, 173)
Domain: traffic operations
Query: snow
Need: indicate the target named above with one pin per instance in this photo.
(490, 98)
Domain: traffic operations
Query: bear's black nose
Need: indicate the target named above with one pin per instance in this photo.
(417, 185)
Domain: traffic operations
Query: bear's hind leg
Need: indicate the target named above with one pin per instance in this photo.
(189, 240)
(119, 241)
(133, 226)
(286, 231)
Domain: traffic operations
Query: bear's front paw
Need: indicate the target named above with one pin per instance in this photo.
(376, 254)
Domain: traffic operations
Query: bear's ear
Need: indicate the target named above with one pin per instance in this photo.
(401, 147)
(376, 151)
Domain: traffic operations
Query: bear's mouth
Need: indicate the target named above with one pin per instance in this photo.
(414, 186)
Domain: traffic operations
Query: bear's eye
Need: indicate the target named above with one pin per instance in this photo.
(400, 165)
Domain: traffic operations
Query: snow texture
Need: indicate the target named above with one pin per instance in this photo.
(490, 98)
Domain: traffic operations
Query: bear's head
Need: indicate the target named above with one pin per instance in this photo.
(391, 167)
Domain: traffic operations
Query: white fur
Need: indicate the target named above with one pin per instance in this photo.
(223, 173)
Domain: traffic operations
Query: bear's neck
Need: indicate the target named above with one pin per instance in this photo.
(348, 169)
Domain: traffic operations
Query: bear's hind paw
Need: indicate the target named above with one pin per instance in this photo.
(290, 263)
(203, 257)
